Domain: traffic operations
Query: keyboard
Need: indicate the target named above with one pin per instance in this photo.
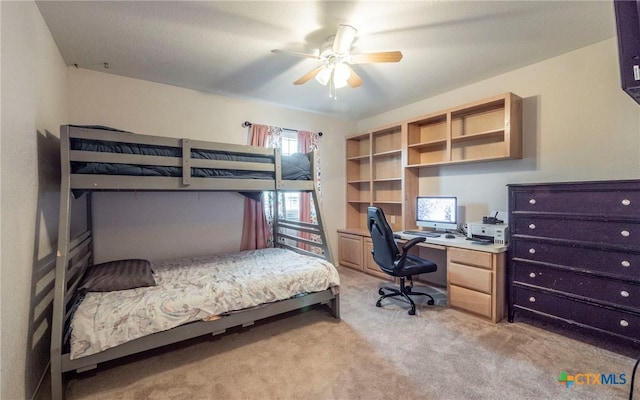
(422, 234)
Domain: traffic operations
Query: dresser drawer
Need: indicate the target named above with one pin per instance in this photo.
(622, 293)
(469, 257)
(470, 300)
(588, 201)
(620, 322)
(617, 233)
(469, 277)
(625, 265)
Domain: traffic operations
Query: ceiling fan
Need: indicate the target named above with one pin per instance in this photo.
(335, 55)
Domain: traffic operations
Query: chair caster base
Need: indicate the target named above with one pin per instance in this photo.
(431, 302)
(378, 304)
(412, 312)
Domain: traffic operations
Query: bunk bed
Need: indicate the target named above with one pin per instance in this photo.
(95, 158)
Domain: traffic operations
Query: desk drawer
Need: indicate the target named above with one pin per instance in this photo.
(469, 277)
(469, 257)
(470, 300)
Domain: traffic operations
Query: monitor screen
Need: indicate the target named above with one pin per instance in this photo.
(438, 212)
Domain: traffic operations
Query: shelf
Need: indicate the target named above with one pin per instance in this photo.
(389, 153)
(387, 202)
(359, 201)
(358, 181)
(493, 134)
(432, 143)
(398, 179)
(358, 158)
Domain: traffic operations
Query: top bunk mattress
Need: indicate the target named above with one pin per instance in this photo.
(294, 167)
(193, 289)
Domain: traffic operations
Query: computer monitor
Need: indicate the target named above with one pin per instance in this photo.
(437, 212)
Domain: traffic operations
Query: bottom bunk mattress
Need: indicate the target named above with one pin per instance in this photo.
(193, 289)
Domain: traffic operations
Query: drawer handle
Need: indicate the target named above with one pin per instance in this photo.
(626, 202)
(625, 263)
(624, 293)
(533, 201)
(624, 323)
(532, 275)
(625, 233)
(532, 226)
(532, 251)
(532, 299)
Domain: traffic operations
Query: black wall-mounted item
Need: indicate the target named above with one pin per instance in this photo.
(628, 28)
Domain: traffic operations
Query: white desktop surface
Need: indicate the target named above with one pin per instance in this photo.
(459, 241)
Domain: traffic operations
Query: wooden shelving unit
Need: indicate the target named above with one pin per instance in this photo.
(489, 129)
(383, 166)
(374, 177)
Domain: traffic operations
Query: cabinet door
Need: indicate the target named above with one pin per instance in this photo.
(350, 249)
(370, 265)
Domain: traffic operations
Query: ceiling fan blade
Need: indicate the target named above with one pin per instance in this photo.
(381, 57)
(354, 80)
(295, 54)
(344, 38)
(308, 76)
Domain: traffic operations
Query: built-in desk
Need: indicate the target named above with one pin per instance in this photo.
(475, 273)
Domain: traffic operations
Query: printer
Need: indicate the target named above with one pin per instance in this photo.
(498, 233)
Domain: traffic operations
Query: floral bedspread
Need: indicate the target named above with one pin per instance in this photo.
(193, 289)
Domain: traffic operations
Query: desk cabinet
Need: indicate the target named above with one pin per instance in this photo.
(574, 255)
(475, 282)
(355, 252)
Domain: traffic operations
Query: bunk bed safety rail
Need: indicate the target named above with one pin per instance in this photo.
(97, 155)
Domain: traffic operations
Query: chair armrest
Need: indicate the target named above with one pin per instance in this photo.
(412, 243)
(405, 250)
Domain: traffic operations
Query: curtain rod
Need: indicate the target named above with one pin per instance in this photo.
(247, 124)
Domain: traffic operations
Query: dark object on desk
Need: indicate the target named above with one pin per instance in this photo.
(391, 261)
(422, 234)
(449, 236)
(480, 241)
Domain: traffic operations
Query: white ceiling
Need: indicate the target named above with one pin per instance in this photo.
(224, 47)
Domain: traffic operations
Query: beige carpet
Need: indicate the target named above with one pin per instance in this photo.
(372, 353)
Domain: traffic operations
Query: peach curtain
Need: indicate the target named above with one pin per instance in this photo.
(305, 145)
(255, 230)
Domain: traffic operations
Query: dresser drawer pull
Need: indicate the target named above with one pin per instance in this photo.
(532, 251)
(625, 263)
(625, 233)
(532, 226)
(626, 202)
(533, 201)
(624, 323)
(532, 299)
(624, 293)
(532, 275)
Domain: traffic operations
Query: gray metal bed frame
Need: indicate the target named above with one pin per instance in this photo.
(76, 254)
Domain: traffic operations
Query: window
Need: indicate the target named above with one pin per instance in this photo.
(291, 201)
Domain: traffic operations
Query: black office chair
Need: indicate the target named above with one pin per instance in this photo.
(391, 261)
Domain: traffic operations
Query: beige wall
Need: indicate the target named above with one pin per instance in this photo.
(34, 94)
(166, 225)
(578, 125)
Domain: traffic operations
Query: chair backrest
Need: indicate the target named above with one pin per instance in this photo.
(385, 251)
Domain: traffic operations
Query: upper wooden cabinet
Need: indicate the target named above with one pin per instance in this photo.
(489, 129)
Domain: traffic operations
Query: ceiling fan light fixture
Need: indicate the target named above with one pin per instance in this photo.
(341, 75)
(324, 75)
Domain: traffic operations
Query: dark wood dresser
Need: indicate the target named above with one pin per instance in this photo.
(574, 255)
